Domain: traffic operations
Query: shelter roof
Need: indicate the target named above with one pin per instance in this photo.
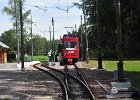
(2, 45)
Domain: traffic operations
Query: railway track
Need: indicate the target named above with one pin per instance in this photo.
(79, 89)
(62, 84)
(72, 82)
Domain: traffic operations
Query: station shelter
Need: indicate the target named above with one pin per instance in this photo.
(3, 53)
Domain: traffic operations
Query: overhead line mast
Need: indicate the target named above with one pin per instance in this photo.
(53, 48)
(18, 55)
(22, 37)
(119, 33)
(85, 27)
(32, 52)
(98, 34)
(81, 39)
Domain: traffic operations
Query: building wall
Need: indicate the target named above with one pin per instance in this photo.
(3, 56)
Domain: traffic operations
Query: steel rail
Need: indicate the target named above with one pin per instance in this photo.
(66, 78)
(78, 80)
(84, 80)
(65, 92)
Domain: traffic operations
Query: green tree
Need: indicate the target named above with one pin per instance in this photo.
(9, 38)
(130, 21)
(130, 27)
(49, 45)
(13, 10)
(39, 45)
(10, 11)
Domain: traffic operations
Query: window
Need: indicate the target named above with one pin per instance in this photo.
(68, 45)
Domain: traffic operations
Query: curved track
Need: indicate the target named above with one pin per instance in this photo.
(65, 93)
(82, 87)
(66, 84)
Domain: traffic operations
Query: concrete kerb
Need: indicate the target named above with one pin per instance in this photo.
(27, 64)
(15, 66)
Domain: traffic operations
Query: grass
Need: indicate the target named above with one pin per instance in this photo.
(38, 58)
(131, 65)
(131, 69)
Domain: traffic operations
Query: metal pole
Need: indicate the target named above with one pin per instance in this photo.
(98, 35)
(17, 32)
(85, 22)
(32, 52)
(81, 40)
(22, 37)
(50, 36)
(51, 46)
(119, 33)
(53, 42)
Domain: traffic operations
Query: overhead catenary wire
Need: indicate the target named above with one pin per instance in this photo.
(67, 10)
(39, 7)
(45, 9)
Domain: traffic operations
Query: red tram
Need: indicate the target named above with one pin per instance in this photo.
(69, 52)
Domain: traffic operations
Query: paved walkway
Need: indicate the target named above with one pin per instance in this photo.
(8, 66)
(12, 81)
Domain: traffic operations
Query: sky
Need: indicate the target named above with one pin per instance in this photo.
(42, 16)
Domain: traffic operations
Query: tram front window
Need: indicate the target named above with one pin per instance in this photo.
(69, 45)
